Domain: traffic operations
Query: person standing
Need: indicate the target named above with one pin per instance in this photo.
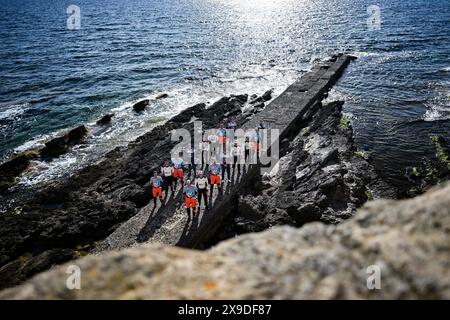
(190, 192)
(202, 185)
(167, 176)
(178, 171)
(257, 141)
(226, 168)
(156, 182)
(247, 148)
(222, 135)
(215, 170)
(193, 162)
(205, 147)
(237, 155)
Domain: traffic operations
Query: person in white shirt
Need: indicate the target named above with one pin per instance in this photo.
(247, 148)
(206, 147)
(202, 185)
(237, 155)
(167, 176)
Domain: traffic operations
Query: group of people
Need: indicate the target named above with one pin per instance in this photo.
(195, 189)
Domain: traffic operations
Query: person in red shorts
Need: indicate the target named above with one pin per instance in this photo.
(178, 171)
(222, 135)
(190, 197)
(215, 171)
(157, 182)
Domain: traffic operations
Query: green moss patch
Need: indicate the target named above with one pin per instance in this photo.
(344, 122)
(441, 152)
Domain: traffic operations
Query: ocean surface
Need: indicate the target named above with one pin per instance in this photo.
(52, 78)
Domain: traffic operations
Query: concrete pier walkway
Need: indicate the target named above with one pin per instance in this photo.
(172, 225)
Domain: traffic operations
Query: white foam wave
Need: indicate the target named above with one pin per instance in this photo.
(438, 108)
(13, 111)
(127, 125)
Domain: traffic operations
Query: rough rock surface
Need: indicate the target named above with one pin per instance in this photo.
(432, 171)
(141, 105)
(106, 119)
(11, 169)
(89, 205)
(321, 177)
(407, 240)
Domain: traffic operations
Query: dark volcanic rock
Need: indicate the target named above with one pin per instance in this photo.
(140, 106)
(161, 96)
(267, 95)
(11, 169)
(76, 135)
(55, 147)
(186, 115)
(264, 98)
(106, 119)
(321, 177)
(242, 98)
(90, 204)
(60, 145)
(406, 240)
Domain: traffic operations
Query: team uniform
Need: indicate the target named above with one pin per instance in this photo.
(157, 183)
(190, 192)
(178, 172)
(215, 171)
(222, 135)
(257, 140)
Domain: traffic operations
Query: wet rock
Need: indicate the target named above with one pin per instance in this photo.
(319, 178)
(260, 106)
(264, 98)
(161, 96)
(431, 171)
(106, 119)
(90, 204)
(13, 168)
(267, 95)
(186, 115)
(141, 105)
(76, 135)
(242, 98)
(406, 240)
(55, 147)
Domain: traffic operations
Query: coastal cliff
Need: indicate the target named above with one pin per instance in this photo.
(407, 240)
(321, 177)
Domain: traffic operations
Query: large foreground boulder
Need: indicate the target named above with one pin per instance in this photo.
(406, 241)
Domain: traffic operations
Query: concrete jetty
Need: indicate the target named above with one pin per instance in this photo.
(171, 224)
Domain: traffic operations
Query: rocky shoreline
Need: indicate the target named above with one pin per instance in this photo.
(321, 177)
(65, 219)
(406, 240)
